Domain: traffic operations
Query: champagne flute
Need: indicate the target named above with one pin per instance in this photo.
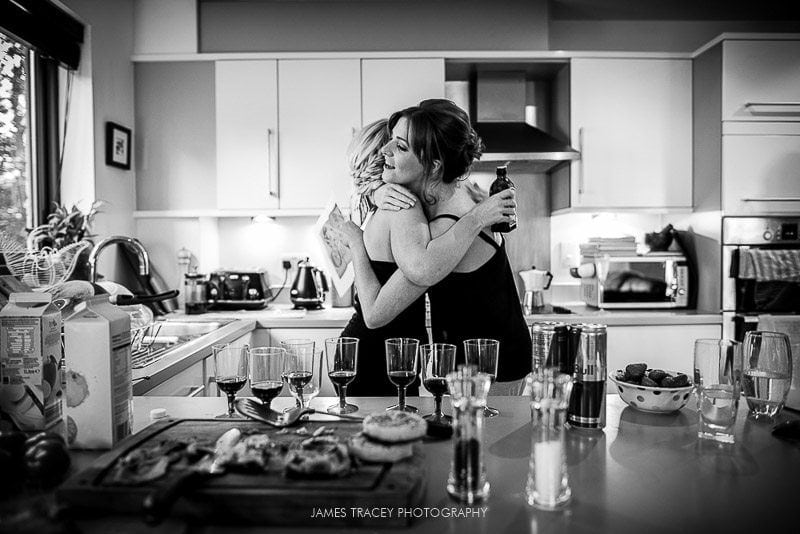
(230, 372)
(483, 354)
(402, 357)
(767, 372)
(266, 370)
(341, 354)
(438, 359)
(298, 371)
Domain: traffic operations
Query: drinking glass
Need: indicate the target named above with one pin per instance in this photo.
(767, 372)
(341, 355)
(483, 353)
(718, 382)
(230, 372)
(266, 370)
(438, 359)
(298, 370)
(402, 357)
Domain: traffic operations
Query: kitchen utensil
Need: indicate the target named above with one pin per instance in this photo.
(438, 359)
(195, 293)
(484, 355)
(259, 412)
(536, 281)
(307, 290)
(402, 364)
(158, 503)
(341, 355)
(652, 399)
(718, 382)
(767, 374)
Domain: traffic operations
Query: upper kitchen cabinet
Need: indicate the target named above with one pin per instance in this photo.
(319, 108)
(761, 80)
(247, 133)
(389, 85)
(631, 120)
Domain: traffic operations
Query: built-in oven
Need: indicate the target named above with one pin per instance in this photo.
(760, 270)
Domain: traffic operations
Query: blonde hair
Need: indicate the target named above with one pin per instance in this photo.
(365, 160)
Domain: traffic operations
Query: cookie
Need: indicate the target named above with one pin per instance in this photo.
(370, 451)
(320, 457)
(394, 426)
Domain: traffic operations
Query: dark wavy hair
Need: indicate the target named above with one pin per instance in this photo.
(441, 131)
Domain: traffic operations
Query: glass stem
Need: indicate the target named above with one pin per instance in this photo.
(231, 399)
(342, 401)
(401, 398)
(300, 398)
(437, 411)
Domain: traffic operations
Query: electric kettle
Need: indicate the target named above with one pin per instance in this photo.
(308, 289)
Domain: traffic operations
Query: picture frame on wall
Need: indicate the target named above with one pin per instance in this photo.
(118, 145)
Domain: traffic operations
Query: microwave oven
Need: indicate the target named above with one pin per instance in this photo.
(655, 280)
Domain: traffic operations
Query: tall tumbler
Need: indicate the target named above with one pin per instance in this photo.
(549, 341)
(548, 484)
(587, 405)
(468, 391)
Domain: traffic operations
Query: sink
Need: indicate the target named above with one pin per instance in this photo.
(187, 329)
(161, 337)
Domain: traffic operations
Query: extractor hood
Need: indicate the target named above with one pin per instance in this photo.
(508, 125)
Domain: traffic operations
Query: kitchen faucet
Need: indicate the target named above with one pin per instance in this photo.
(130, 242)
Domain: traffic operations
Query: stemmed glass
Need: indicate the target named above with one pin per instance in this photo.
(438, 359)
(298, 370)
(767, 372)
(230, 372)
(266, 369)
(402, 357)
(341, 354)
(483, 353)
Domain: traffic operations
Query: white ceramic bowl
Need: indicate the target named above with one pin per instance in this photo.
(653, 399)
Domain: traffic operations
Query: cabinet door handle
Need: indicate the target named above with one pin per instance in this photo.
(274, 182)
(770, 107)
(583, 161)
(771, 199)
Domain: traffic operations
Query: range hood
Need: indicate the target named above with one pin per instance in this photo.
(508, 126)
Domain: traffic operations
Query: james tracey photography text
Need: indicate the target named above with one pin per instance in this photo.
(384, 512)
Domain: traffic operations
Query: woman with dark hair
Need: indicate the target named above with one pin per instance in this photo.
(431, 150)
(402, 238)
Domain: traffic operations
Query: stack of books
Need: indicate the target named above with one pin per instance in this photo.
(612, 246)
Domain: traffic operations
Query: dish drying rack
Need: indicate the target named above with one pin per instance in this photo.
(145, 350)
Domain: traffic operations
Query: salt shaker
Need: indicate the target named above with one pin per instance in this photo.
(468, 390)
(548, 484)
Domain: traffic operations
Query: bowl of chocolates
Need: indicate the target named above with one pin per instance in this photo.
(652, 390)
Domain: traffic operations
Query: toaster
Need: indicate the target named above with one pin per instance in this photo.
(238, 290)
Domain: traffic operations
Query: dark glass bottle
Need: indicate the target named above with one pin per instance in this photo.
(501, 183)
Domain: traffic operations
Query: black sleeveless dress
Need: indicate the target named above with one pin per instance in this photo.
(483, 304)
(371, 379)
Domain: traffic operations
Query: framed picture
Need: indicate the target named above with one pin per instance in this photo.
(118, 146)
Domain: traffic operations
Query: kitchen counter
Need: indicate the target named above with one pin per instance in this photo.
(282, 316)
(644, 473)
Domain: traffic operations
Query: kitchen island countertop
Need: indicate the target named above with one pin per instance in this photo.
(644, 473)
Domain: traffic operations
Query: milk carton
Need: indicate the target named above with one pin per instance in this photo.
(31, 363)
(97, 344)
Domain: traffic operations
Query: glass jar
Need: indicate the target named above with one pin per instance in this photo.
(467, 482)
(195, 286)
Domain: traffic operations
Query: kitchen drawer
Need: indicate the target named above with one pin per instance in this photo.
(758, 75)
(187, 383)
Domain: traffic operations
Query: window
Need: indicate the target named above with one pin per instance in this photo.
(16, 177)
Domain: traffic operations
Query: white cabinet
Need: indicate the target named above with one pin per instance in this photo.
(188, 383)
(389, 85)
(631, 120)
(668, 347)
(760, 168)
(247, 134)
(318, 335)
(319, 107)
(761, 80)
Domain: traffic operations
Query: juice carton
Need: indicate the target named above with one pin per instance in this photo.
(97, 344)
(31, 363)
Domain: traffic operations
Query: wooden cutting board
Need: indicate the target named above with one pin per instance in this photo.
(263, 498)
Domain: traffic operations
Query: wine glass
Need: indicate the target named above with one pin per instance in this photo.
(483, 353)
(298, 370)
(767, 372)
(266, 370)
(402, 357)
(341, 354)
(230, 372)
(438, 359)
